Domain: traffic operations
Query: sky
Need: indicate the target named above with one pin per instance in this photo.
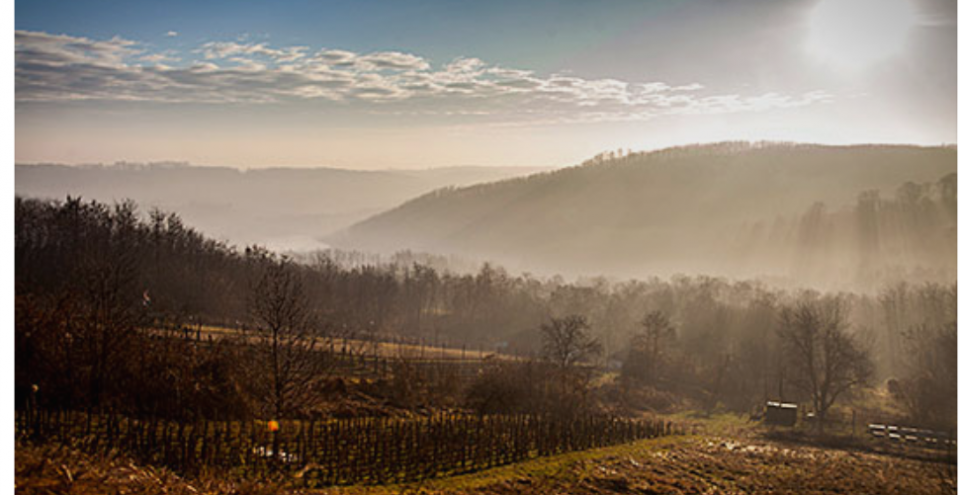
(386, 84)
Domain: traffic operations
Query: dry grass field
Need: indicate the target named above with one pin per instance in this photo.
(372, 348)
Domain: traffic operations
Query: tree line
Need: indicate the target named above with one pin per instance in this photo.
(91, 277)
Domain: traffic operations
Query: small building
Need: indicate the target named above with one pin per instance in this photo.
(780, 413)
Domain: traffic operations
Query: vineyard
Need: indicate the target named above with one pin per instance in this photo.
(340, 452)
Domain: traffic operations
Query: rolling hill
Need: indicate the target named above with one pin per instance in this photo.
(729, 209)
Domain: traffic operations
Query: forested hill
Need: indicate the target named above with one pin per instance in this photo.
(825, 215)
(283, 208)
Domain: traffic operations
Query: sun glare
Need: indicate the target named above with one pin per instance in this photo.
(858, 33)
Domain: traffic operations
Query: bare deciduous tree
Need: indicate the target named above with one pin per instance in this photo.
(657, 329)
(824, 359)
(647, 349)
(567, 348)
(566, 341)
(288, 338)
(929, 390)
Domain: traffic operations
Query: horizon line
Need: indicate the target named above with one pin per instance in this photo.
(173, 164)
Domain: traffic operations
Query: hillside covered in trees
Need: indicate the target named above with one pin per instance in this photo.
(95, 283)
(828, 216)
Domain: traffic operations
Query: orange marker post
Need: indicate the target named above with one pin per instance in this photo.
(274, 427)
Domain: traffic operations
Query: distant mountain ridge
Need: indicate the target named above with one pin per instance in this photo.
(283, 208)
(734, 209)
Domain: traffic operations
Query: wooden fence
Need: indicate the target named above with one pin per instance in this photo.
(339, 452)
(913, 436)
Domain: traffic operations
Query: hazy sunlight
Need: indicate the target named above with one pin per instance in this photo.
(857, 33)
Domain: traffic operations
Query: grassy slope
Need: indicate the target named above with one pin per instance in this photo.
(369, 349)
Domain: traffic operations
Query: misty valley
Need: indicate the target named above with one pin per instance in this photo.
(549, 247)
(737, 317)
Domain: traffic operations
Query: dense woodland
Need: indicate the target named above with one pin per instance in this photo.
(105, 292)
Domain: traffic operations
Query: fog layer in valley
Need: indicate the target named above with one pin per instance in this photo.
(281, 208)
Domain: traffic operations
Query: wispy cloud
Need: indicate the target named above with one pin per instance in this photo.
(64, 51)
(158, 58)
(60, 67)
(172, 34)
